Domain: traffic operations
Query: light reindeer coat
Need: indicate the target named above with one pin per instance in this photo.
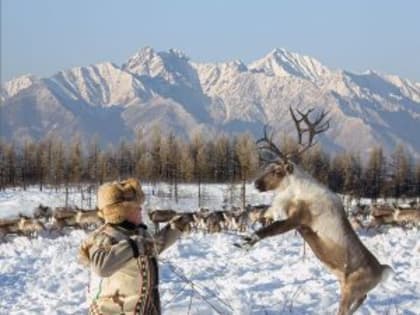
(318, 215)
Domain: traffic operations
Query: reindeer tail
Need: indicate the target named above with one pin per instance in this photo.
(387, 272)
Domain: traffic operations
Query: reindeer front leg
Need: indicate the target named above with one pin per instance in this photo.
(275, 228)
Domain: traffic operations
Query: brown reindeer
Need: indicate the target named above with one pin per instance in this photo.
(64, 217)
(380, 215)
(259, 214)
(360, 211)
(236, 219)
(242, 220)
(30, 226)
(42, 212)
(382, 210)
(377, 222)
(318, 215)
(9, 226)
(161, 216)
(211, 221)
(407, 216)
(355, 223)
(186, 219)
(200, 218)
(88, 218)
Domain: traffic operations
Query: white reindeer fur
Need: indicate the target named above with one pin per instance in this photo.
(326, 207)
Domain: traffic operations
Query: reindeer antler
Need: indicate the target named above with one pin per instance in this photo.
(266, 144)
(312, 127)
(319, 125)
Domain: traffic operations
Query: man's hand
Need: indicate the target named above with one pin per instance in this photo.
(248, 241)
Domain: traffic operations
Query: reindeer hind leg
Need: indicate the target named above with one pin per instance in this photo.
(354, 293)
(349, 302)
(357, 304)
(345, 304)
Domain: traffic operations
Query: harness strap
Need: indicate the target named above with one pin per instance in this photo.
(134, 247)
(117, 235)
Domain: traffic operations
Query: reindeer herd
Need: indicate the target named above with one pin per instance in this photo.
(207, 221)
(45, 219)
(243, 220)
(236, 219)
(404, 215)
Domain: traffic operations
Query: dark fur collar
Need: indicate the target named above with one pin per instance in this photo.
(130, 226)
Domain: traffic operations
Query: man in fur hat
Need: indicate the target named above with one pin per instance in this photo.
(122, 254)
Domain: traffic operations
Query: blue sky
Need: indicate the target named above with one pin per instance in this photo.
(45, 36)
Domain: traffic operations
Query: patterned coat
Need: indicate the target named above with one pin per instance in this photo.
(124, 269)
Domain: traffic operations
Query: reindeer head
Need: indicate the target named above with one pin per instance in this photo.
(273, 175)
(279, 164)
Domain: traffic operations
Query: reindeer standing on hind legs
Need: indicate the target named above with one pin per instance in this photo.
(318, 216)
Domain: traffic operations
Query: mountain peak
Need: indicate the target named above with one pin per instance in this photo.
(173, 66)
(279, 51)
(143, 53)
(178, 53)
(149, 62)
(103, 84)
(282, 63)
(13, 87)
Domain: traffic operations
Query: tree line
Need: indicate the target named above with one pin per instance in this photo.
(222, 159)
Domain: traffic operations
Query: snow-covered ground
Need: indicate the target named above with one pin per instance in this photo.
(42, 276)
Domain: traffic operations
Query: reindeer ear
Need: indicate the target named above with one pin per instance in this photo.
(289, 168)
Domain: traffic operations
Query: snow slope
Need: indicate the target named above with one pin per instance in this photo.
(41, 275)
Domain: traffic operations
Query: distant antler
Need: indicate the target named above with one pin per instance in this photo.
(319, 125)
(265, 144)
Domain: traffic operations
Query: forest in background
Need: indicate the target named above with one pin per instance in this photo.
(167, 158)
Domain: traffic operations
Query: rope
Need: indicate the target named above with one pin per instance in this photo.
(176, 295)
(191, 298)
(195, 287)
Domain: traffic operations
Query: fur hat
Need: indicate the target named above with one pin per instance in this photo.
(116, 200)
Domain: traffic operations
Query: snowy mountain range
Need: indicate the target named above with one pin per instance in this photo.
(169, 90)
